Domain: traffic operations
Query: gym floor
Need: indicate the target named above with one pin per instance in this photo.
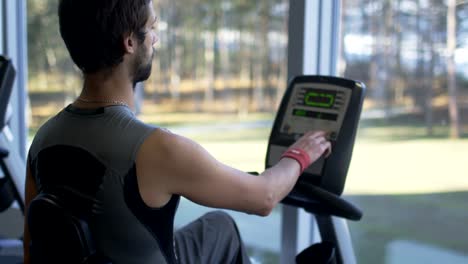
(11, 230)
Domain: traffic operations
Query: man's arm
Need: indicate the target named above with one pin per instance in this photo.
(31, 192)
(170, 164)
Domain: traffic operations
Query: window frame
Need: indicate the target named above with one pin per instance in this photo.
(314, 25)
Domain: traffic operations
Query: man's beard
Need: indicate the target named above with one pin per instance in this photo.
(142, 70)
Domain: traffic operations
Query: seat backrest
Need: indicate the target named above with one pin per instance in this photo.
(57, 235)
(7, 194)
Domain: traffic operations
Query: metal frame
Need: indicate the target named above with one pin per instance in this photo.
(14, 45)
(314, 29)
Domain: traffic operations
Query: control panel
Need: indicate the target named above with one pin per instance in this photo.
(324, 103)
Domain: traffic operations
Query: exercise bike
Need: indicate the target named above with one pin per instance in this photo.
(333, 105)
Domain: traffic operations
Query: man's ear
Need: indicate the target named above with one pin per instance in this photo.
(129, 43)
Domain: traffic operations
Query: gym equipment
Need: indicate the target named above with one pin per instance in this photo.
(58, 216)
(10, 249)
(59, 234)
(8, 190)
(333, 105)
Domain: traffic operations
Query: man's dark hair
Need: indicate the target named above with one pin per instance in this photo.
(93, 30)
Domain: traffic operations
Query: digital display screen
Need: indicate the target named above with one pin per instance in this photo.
(314, 114)
(319, 98)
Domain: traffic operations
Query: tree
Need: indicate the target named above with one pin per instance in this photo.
(46, 50)
(451, 74)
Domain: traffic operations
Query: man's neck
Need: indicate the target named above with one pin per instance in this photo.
(108, 86)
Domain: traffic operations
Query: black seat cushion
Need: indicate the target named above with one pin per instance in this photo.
(57, 235)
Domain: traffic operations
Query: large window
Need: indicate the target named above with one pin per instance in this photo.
(218, 75)
(409, 166)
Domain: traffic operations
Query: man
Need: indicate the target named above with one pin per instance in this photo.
(132, 173)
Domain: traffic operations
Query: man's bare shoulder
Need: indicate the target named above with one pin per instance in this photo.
(163, 144)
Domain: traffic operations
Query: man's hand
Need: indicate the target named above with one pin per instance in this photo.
(315, 144)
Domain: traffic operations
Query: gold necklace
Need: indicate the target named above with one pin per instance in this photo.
(113, 102)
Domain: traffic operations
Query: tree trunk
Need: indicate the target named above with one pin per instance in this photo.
(401, 76)
(198, 70)
(429, 113)
(175, 71)
(423, 83)
(225, 66)
(283, 71)
(388, 57)
(451, 74)
(244, 72)
(374, 84)
(209, 68)
(262, 69)
(341, 69)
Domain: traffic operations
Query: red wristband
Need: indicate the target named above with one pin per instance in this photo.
(299, 155)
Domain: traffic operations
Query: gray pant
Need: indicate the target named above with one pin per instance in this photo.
(211, 239)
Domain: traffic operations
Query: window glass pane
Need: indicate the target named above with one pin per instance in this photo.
(217, 78)
(408, 171)
(218, 75)
(53, 80)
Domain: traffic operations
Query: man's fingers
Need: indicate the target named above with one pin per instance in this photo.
(316, 134)
(320, 139)
(327, 148)
(315, 143)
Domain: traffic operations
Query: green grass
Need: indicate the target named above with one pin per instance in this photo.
(437, 219)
